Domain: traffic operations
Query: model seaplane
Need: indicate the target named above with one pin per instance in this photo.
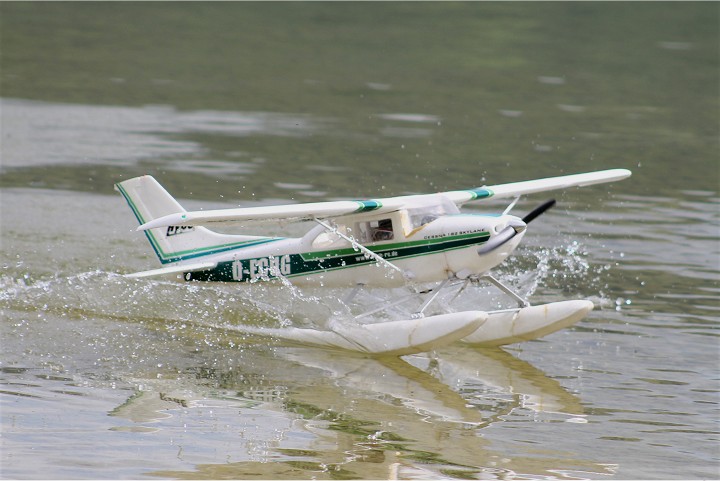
(412, 240)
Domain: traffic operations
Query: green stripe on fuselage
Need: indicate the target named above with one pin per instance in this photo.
(210, 250)
(293, 265)
(378, 249)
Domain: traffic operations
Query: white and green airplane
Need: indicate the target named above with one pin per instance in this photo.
(390, 242)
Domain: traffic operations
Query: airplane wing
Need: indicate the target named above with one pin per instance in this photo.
(323, 210)
(516, 189)
(309, 211)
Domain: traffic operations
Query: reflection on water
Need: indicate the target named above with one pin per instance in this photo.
(334, 412)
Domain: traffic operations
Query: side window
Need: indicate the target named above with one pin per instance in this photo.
(383, 231)
(375, 230)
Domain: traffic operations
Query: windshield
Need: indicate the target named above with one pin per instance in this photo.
(424, 214)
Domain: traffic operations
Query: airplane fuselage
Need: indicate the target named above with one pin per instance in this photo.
(379, 242)
(439, 249)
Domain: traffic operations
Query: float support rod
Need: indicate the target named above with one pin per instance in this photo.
(521, 302)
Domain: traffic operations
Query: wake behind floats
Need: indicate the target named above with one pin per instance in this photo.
(396, 241)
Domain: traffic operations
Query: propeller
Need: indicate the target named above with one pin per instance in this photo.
(538, 211)
(514, 229)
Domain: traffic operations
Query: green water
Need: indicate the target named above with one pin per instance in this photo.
(239, 103)
(627, 85)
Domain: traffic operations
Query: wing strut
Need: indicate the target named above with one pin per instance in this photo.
(512, 204)
(360, 247)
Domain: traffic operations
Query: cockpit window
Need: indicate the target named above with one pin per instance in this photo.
(376, 230)
(383, 231)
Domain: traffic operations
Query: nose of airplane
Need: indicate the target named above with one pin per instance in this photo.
(506, 221)
(506, 227)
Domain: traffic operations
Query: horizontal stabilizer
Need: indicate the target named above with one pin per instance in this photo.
(177, 269)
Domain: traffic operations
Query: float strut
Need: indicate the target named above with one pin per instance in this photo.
(521, 302)
(353, 293)
(421, 313)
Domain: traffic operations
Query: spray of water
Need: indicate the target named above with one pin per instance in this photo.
(545, 272)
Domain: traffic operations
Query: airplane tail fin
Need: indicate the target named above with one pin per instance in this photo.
(149, 200)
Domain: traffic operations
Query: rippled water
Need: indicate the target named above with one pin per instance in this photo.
(102, 376)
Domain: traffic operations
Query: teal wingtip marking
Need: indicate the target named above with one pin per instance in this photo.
(481, 193)
(368, 205)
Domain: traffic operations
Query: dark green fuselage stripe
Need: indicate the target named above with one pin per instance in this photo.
(206, 251)
(378, 249)
(292, 265)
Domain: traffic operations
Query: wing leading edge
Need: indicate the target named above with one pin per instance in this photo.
(321, 210)
(515, 189)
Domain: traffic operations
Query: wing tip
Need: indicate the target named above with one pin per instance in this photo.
(625, 172)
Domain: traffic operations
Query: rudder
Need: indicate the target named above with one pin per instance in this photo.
(149, 200)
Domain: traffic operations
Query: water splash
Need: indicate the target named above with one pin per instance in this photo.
(210, 307)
